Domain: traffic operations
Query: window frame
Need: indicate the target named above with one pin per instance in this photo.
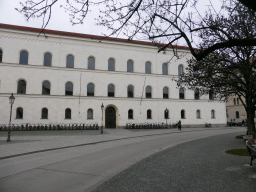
(20, 88)
(19, 108)
(44, 113)
(109, 64)
(164, 95)
(109, 93)
(72, 64)
(66, 91)
(237, 115)
(93, 87)
(21, 57)
(147, 94)
(183, 114)
(44, 89)
(130, 64)
(149, 114)
(1, 55)
(130, 94)
(198, 114)
(45, 59)
(90, 114)
(213, 114)
(196, 94)
(164, 70)
(180, 70)
(90, 65)
(180, 94)
(148, 67)
(130, 114)
(66, 113)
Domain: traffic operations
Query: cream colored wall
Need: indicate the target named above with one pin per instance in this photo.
(35, 73)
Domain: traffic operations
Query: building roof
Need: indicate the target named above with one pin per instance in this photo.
(81, 35)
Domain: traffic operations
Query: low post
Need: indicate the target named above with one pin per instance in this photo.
(102, 107)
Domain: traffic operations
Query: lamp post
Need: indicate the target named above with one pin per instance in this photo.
(11, 101)
(102, 107)
(166, 116)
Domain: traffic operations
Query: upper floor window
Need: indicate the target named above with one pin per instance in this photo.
(196, 93)
(68, 113)
(130, 91)
(90, 89)
(70, 61)
(89, 114)
(21, 89)
(148, 92)
(165, 69)
(234, 101)
(1, 55)
(129, 66)
(19, 113)
(44, 114)
(130, 114)
(148, 67)
(46, 88)
(149, 115)
(237, 101)
(69, 88)
(198, 115)
(237, 114)
(180, 70)
(91, 63)
(212, 114)
(111, 65)
(47, 59)
(182, 114)
(210, 94)
(181, 94)
(111, 90)
(165, 93)
(24, 57)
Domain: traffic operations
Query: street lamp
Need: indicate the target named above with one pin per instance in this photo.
(166, 116)
(11, 101)
(102, 107)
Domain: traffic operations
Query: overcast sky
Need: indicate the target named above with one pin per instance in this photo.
(60, 19)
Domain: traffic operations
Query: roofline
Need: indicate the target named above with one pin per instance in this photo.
(81, 35)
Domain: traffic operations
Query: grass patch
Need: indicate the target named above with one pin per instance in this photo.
(240, 152)
(239, 136)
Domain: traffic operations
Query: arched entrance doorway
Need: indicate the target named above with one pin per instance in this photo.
(110, 117)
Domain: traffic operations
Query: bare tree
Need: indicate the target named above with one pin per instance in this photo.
(163, 22)
(230, 70)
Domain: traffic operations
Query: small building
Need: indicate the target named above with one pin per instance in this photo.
(63, 77)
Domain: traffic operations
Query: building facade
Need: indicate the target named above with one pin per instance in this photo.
(64, 77)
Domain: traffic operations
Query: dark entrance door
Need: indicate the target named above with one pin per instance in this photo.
(110, 117)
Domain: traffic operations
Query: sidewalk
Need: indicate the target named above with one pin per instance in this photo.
(36, 141)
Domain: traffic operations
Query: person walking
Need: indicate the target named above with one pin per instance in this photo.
(179, 125)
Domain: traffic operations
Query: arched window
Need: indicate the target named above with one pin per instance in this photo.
(19, 113)
(166, 114)
(129, 66)
(68, 113)
(182, 114)
(237, 101)
(165, 93)
(148, 67)
(24, 57)
(198, 116)
(130, 114)
(237, 115)
(1, 55)
(196, 93)
(70, 61)
(111, 90)
(91, 63)
(130, 91)
(46, 88)
(44, 114)
(89, 114)
(111, 65)
(69, 88)
(180, 70)
(212, 114)
(181, 94)
(149, 115)
(47, 59)
(234, 101)
(21, 89)
(210, 94)
(90, 89)
(165, 69)
(148, 92)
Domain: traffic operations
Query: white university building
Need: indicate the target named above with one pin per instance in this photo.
(65, 77)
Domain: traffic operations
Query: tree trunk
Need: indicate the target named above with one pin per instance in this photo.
(250, 119)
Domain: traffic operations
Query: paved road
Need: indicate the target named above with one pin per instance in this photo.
(85, 167)
(200, 165)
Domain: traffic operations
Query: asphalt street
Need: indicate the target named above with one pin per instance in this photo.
(199, 165)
